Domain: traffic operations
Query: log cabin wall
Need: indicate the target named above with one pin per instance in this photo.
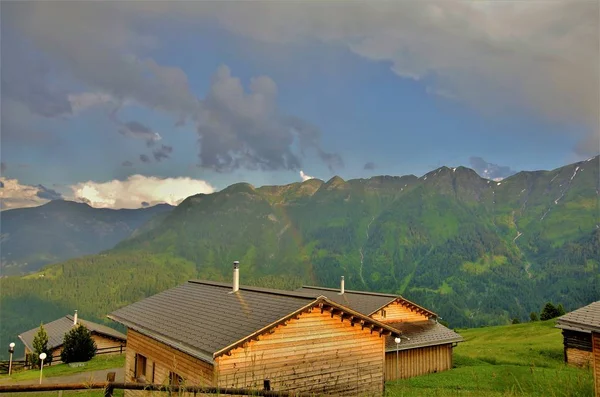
(160, 361)
(596, 361)
(396, 312)
(578, 348)
(419, 361)
(314, 353)
(103, 342)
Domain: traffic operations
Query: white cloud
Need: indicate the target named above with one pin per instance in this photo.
(305, 177)
(138, 189)
(15, 195)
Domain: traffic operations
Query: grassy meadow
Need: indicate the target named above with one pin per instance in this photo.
(95, 364)
(511, 360)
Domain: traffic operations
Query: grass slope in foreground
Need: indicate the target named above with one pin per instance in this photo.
(512, 360)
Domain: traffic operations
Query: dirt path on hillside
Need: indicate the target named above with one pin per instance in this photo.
(90, 376)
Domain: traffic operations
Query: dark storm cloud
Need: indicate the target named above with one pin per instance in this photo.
(144, 158)
(490, 170)
(236, 128)
(137, 130)
(369, 166)
(239, 129)
(162, 153)
(48, 194)
(145, 204)
(127, 163)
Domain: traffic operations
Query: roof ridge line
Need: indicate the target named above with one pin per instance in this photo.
(272, 291)
(354, 291)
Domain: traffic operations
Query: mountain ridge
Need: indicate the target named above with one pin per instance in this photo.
(474, 250)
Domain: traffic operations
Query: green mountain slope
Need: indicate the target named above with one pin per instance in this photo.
(59, 230)
(473, 250)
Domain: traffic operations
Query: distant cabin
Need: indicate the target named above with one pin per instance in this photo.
(581, 338)
(105, 337)
(426, 346)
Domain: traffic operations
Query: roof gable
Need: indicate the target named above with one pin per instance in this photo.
(584, 319)
(57, 329)
(366, 302)
(205, 319)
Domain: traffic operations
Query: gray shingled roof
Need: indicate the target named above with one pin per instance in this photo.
(57, 329)
(362, 301)
(203, 318)
(585, 319)
(421, 333)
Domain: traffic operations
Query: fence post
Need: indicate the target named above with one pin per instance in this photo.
(108, 391)
(121, 349)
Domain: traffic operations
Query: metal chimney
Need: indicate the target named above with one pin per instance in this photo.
(342, 285)
(75, 318)
(236, 276)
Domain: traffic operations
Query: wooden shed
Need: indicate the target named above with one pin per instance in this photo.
(426, 346)
(105, 337)
(217, 334)
(581, 338)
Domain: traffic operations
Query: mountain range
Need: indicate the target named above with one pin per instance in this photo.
(59, 230)
(475, 251)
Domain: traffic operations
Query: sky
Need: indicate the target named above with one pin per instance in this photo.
(128, 104)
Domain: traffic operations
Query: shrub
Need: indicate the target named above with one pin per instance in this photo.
(516, 321)
(78, 345)
(40, 345)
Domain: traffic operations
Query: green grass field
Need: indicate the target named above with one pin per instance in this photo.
(513, 360)
(97, 363)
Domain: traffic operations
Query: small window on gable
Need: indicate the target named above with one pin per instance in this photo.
(383, 314)
(175, 379)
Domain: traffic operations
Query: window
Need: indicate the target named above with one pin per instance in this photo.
(175, 379)
(140, 366)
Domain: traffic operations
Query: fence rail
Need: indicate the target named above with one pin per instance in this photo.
(19, 365)
(109, 388)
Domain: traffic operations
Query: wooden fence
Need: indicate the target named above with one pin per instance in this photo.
(20, 365)
(110, 387)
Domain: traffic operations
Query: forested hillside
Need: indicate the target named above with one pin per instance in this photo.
(473, 250)
(59, 230)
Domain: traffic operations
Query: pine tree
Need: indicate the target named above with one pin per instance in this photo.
(550, 311)
(78, 345)
(40, 345)
(560, 310)
(533, 316)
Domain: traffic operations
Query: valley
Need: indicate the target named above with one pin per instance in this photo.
(478, 252)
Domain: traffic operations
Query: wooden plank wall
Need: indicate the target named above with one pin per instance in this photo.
(315, 353)
(596, 352)
(396, 312)
(578, 348)
(419, 361)
(104, 342)
(162, 359)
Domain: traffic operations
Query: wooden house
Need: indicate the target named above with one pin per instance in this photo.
(426, 345)
(581, 338)
(105, 337)
(216, 334)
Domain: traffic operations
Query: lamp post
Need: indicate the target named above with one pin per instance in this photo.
(397, 340)
(11, 350)
(42, 357)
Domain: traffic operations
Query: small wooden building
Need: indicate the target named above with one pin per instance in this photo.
(426, 345)
(581, 338)
(217, 334)
(105, 337)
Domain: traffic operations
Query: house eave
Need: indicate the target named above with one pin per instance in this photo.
(206, 357)
(423, 344)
